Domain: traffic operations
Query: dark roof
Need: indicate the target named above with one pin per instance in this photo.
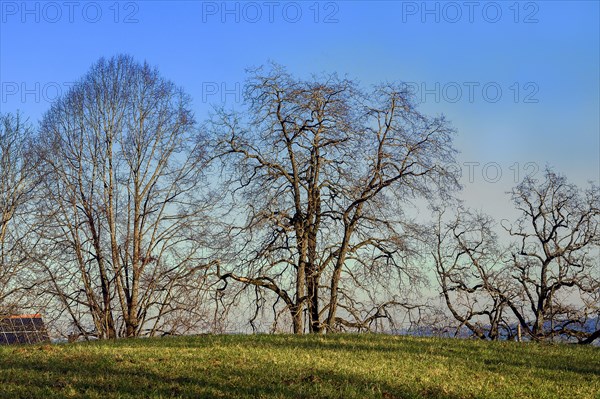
(23, 329)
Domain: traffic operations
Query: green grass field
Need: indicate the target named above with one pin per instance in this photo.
(283, 366)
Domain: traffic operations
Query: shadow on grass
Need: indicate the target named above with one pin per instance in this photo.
(484, 354)
(102, 377)
(157, 368)
(474, 352)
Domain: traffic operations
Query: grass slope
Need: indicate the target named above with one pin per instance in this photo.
(283, 366)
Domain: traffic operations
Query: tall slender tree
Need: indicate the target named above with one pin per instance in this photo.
(123, 209)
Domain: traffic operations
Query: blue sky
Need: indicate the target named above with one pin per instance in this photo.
(544, 58)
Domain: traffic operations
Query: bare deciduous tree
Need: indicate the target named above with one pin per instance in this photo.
(546, 280)
(470, 268)
(321, 172)
(555, 259)
(122, 208)
(17, 185)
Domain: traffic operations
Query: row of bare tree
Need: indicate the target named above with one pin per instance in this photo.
(544, 281)
(122, 216)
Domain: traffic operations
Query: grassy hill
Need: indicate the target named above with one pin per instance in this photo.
(283, 366)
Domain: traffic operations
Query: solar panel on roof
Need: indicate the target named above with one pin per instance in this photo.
(23, 329)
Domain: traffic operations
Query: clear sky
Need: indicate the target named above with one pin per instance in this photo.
(519, 80)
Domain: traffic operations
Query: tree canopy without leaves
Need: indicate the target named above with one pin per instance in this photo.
(121, 216)
(122, 207)
(321, 173)
(547, 279)
(17, 185)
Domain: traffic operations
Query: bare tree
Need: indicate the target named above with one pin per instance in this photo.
(123, 213)
(555, 258)
(546, 280)
(321, 174)
(17, 185)
(470, 270)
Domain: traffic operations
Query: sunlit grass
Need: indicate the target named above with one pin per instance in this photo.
(283, 366)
